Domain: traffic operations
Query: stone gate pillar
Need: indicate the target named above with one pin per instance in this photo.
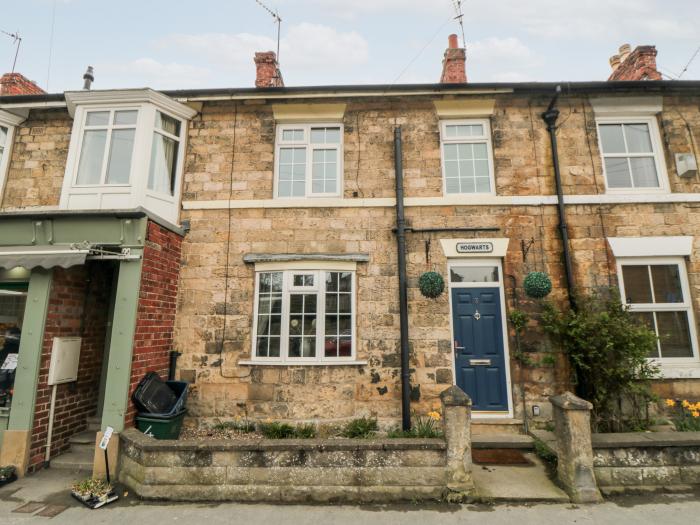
(572, 420)
(456, 410)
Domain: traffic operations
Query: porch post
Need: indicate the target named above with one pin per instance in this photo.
(121, 344)
(17, 437)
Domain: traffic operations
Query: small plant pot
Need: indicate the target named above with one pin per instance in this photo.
(7, 475)
(95, 501)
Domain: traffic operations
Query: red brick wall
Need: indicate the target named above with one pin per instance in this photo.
(155, 320)
(78, 306)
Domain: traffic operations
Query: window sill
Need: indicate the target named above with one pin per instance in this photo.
(303, 363)
(687, 370)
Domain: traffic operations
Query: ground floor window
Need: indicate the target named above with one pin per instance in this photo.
(304, 315)
(13, 298)
(656, 290)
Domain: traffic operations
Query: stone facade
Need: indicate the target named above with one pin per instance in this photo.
(523, 168)
(230, 156)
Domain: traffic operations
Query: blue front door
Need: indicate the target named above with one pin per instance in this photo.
(480, 365)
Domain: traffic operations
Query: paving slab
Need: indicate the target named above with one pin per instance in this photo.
(517, 483)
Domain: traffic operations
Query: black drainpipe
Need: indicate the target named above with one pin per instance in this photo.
(403, 291)
(550, 117)
(173, 364)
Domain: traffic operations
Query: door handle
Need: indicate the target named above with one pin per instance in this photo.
(459, 348)
(480, 362)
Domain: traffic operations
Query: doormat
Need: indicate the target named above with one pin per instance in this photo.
(499, 456)
(51, 510)
(30, 508)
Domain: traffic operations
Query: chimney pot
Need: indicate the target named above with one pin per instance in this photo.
(624, 51)
(454, 63)
(615, 62)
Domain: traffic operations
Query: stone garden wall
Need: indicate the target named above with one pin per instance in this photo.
(290, 471)
(646, 460)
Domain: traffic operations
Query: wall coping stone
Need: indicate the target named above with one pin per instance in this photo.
(455, 396)
(646, 439)
(136, 438)
(569, 401)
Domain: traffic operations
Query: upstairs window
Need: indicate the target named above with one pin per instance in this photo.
(657, 292)
(166, 142)
(303, 316)
(107, 147)
(631, 154)
(126, 152)
(309, 160)
(4, 132)
(467, 163)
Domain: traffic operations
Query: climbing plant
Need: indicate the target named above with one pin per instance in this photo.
(608, 347)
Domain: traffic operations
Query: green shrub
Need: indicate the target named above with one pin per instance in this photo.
(608, 347)
(363, 427)
(277, 430)
(306, 431)
(422, 427)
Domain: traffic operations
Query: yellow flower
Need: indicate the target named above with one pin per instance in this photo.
(670, 403)
(685, 404)
(695, 413)
(434, 415)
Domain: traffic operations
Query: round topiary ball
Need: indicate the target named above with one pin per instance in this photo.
(537, 285)
(431, 284)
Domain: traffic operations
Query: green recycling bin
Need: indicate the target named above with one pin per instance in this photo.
(159, 426)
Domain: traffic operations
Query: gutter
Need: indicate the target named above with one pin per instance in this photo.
(550, 117)
(403, 286)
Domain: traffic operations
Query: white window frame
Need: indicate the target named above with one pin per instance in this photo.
(320, 290)
(10, 122)
(109, 127)
(685, 306)
(306, 126)
(486, 138)
(657, 150)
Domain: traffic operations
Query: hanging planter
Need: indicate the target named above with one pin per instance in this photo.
(431, 284)
(537, 285)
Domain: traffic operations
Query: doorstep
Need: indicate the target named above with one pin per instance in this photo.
(496, 426)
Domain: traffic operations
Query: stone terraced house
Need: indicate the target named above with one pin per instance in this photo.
(254, 231)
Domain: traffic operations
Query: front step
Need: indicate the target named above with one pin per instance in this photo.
(501, 441)
(93, 423)
(482, 427)
(75, 460)
(84, 441)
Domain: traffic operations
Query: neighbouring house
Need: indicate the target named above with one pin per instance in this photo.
(270, 215)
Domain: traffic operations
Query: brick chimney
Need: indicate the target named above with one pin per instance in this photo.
(639, 64)
(454, 64)
(267, 70)
(17, 84)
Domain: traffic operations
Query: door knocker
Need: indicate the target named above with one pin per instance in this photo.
(477, 315)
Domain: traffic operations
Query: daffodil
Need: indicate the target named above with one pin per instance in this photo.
(695, 413)
(434, 415)
(670, 403)
(685, 404)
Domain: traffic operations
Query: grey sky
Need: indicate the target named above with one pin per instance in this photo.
(210, 43)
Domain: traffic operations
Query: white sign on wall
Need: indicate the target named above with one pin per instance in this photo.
(474, 247)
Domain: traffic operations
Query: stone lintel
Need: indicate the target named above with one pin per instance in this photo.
(285, 257)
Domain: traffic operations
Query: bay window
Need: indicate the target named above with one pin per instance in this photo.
(657, 292)
(126, 151)
(303, 315)
(309, 160)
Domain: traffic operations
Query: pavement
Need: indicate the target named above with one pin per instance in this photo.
(43, 498)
